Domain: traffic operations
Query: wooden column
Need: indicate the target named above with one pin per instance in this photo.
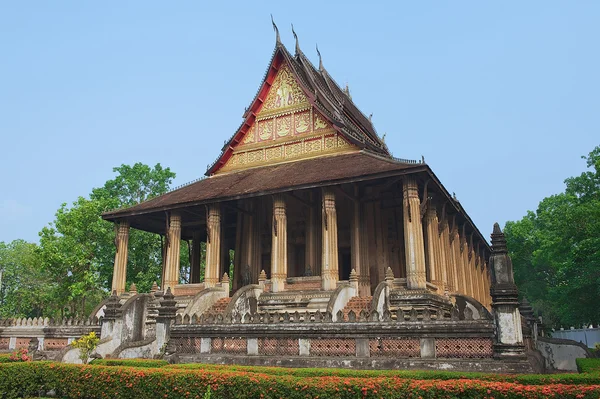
(174, 246)
(213, 246)
(120, 266)
(413, 236)
(311, 256)
(329, 263)
(196, 258)
(251, 238)
(279, 256)
(359, 248)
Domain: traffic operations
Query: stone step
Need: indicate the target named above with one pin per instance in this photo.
(357, 304)
(219, 306)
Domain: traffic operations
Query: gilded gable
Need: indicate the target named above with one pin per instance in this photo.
(287, 127)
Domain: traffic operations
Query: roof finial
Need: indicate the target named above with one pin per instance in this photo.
(277, 38)
(320, 60)
(296, 37)
(347, 91)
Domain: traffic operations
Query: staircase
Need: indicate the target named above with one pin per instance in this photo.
(357, 304)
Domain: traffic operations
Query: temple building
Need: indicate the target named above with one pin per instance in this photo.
(310, 246)
(306, 195)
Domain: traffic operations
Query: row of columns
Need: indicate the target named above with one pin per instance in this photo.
(430, 243)
(455, 265)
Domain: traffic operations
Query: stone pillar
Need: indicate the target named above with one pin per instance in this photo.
(480, 277)
(487, 283)
(279, 256)
(120, 267)
(456, 259)
(213, 246)
(413, 236)
(442, 261)
(112, 312)
(474, 276)
(172, 262)
(448, 264)
(505, 301)
(196, 258)
(359, 247)
(464, 265)
(435, 252)
(329, 263)
(165, 319)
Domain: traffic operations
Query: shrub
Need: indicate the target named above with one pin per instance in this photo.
(86, 345)
(589, 365)
(91, 382)
(4, 358)
(149, 363)
(20, 355)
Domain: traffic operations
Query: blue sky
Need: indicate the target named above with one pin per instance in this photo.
(502, 98)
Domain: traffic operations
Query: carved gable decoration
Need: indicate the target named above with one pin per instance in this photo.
(285, 93)
(287, 127)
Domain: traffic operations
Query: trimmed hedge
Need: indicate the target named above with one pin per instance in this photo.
(91, 382)
(526, 379)
(5, 358)
(588, 365)
(148, 363)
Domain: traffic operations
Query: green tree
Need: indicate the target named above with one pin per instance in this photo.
(556, 250)
(77, 249)
(24, 291)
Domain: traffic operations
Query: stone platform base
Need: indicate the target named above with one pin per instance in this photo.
(462, 365)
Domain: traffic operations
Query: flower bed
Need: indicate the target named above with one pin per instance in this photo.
(77, 381)
(527, 379)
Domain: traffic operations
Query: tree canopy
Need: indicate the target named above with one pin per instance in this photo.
(556, 251)
(70, 271)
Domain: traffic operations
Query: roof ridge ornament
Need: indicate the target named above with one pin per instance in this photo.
(277, 37)
(321, 68)
(298, 51)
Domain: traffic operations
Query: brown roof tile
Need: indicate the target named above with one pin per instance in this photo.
(269, 179)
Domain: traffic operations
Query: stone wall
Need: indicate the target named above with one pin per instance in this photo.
(560, 354)
(51, 335)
